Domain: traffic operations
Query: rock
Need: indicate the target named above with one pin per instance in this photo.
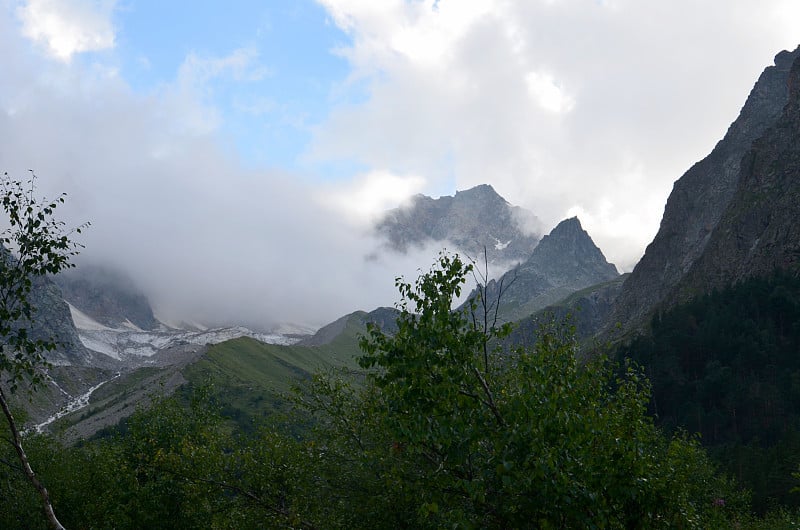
(470, 221)
(564, 261)
(108, 296)
(698, 201)
(759, 231)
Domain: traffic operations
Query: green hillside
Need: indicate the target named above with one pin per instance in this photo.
(249, 378)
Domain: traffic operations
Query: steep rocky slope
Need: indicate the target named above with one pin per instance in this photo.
(106, 295)
(564, 261)
(699, 199)
(759, 231)
(471, 220)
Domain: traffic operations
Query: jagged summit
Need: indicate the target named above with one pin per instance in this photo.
(568, 256)
(470, 221)
(700, 198)
(565, 261)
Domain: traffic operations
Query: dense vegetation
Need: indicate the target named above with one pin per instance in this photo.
(727, 366)
(443, 430)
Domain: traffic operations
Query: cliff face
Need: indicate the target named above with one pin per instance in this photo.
(52, 319)
(700, 198)
(107, 295)
(759, 231)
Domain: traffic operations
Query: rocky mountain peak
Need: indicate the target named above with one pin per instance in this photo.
(479, 192)
(468, 222)
(700, 198)
(793, 84)
(565, 261)
(569, 246)
(758, 231)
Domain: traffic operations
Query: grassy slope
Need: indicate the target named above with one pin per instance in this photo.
(249, 377)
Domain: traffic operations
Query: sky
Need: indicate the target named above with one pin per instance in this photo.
(232, 155)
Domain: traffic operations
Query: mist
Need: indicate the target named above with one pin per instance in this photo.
(170, 204)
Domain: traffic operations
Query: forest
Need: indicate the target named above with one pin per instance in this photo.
(726, 366)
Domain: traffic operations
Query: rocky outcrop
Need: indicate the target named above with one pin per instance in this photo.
(564, 261)
(472, 220)
(52, 321)
(699, 199)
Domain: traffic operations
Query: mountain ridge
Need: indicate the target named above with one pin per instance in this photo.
(699, 199)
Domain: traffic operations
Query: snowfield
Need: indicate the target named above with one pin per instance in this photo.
(131, 343)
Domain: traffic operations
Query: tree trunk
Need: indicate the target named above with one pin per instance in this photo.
(16, 441)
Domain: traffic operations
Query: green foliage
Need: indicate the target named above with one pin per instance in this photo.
(451, 432)
(33, 245)
(726, 366)
(249, 377)
(447, 428)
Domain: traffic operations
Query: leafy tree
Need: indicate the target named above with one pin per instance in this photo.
(451, 430)
(34, 244)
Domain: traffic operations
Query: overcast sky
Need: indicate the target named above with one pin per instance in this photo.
(231, 154)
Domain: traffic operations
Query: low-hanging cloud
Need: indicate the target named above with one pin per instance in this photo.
(207, 239)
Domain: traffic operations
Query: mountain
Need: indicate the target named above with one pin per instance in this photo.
(759, 231)
(352, 325)
(108, 296)
(73, 369)
(471, 220)
(721, 348)
(52, 319)
(565, 261)
(700, 198)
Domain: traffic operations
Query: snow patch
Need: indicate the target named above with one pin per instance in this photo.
(499, 245)
(130, 325)
(84, 321)
(124, 344)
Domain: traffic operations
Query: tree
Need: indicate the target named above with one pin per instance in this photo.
(453, 429)
(34, 244)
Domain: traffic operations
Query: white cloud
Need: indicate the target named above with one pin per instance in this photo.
(548, 93)
(240, 65)
(171, 203)
(368, 196)
(67, 27)
(553, 103)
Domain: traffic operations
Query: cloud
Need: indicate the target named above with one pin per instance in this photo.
(547, 92)
(563, 106)
(67, 27)
(171, 203)
(240, 65)
(365, 199)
